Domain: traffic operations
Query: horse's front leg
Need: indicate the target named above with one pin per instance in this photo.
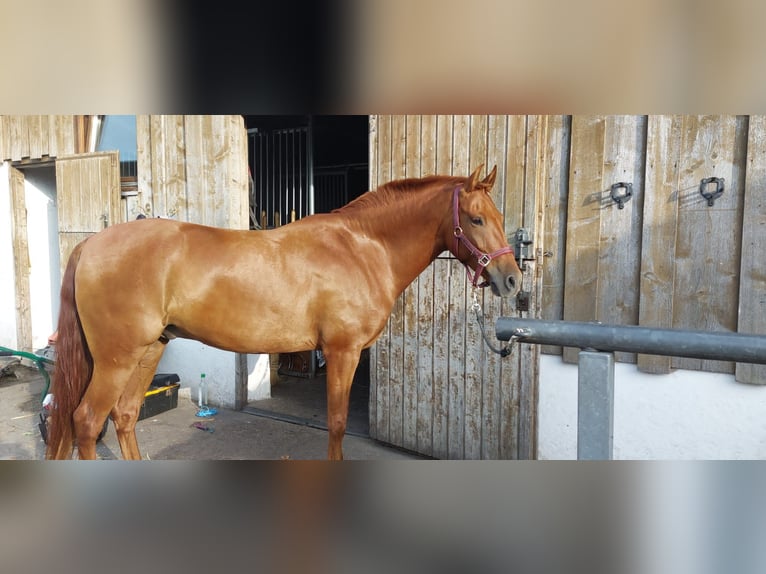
(341, 365)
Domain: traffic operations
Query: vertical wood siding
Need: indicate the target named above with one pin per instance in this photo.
(192, 168)
(20, 260)
(36, 137)
(435, 387)
(667, 259)
(87, 198)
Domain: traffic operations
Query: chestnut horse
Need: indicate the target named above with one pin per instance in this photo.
(327, 281)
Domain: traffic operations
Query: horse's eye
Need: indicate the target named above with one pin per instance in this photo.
(477, 221)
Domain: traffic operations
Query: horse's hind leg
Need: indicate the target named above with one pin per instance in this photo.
(125, 412)
(341, 364)
(110, 379)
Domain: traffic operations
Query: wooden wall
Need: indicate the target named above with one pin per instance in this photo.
(192, 168)
(37, 137)
(667, 259)
(435, 387)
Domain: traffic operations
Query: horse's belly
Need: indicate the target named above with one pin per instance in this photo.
(257, 333)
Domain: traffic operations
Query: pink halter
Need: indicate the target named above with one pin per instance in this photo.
(483, 259)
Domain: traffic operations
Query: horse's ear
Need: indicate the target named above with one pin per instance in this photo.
(470, 183)
(489, 181)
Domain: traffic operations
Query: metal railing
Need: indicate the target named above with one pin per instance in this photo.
(595, 371)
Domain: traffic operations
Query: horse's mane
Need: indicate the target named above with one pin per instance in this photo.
(392, 191)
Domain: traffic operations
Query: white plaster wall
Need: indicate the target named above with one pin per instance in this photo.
(189, 359)
(685, 415)
(7, 273)
(258, 377)
(43, 242)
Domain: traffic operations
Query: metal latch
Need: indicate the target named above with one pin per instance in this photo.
(522, 245)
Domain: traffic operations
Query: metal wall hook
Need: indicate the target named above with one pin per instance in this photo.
(711, 196)
(621, 199)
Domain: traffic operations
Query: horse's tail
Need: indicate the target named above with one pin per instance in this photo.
(73, 367)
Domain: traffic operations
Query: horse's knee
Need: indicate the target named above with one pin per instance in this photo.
(336, 424)
(125, 421)
(86, 427)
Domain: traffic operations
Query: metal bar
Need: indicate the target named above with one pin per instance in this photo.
(310, 164)
(737, 347)
(595, 405)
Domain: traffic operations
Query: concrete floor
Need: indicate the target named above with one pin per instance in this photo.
(171, 435)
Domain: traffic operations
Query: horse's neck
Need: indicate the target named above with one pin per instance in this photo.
(414, 236)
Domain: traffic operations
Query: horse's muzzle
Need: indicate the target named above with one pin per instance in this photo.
(504, 285)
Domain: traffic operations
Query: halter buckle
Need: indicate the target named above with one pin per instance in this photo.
(484, 260)
(458, 232)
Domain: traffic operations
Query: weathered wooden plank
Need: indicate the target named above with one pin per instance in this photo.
(21, 265)
(554, 180)
(382, 422)
(441, 323)
(64, 135)
(584, 222)
(411, 312)
(145, 203)
(660, 221)
(19, 137)
(172, 156)
(426, 296)
(45, 136)
(707, 256)
(237, 209)
(475, 351)
(108, 181)
(527, 378)
(5, 138)
(196, 131)
(218, 187)
(617, 298)
(497, 132)
(752, 286)
(373, 354)
(457, 369)
(35, 135)
(396, 341)
(53, 150)
(513, 213)
(157, 140)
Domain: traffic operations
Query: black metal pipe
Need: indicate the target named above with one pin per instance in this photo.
(738, 347)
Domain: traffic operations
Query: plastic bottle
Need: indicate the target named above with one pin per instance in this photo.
(202, 402)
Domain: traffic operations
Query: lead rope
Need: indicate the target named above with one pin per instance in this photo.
(476, 306)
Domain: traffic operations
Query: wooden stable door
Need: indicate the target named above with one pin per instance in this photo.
(435, 387)
(88, 197)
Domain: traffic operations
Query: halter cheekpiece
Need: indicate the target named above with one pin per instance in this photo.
(483, 259)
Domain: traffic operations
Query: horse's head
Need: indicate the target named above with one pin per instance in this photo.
(480, 241)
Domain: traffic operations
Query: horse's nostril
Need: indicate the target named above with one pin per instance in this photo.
(511, 282)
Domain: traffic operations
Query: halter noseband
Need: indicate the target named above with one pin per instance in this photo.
(482, 259)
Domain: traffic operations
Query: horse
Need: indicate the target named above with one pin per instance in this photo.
(327, 281)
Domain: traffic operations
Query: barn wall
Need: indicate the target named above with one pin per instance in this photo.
(667, 259)
(32, 137)
(435, 388)
(192, 168)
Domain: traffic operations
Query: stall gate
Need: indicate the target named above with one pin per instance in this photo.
(282, 176)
